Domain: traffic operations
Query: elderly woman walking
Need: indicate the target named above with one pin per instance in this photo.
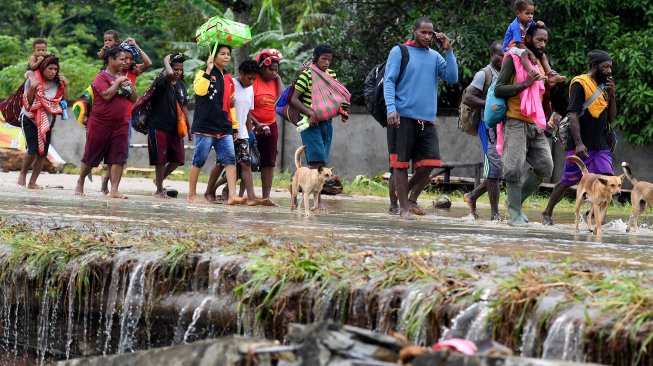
(43, 91)
(108, 126)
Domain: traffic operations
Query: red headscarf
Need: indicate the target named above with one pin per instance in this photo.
(267, 56)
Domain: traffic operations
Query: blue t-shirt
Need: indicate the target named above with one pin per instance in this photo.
(515, 34)
(416, 96)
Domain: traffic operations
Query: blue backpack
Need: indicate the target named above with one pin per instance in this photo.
(495, 108)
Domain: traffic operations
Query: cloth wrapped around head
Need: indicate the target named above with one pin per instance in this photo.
(177, 58)
(51, 59)
(42, 104)
(268, 56)
(130, 48)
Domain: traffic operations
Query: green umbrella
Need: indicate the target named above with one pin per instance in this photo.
(219, 30)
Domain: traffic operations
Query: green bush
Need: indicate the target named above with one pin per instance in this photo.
(11, 51)
(365, 34)
(79, 69)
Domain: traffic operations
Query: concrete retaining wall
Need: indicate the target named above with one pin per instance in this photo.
(359, 147)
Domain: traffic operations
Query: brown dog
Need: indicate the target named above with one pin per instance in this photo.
(599, 189)
(311, 181)
(640, 196)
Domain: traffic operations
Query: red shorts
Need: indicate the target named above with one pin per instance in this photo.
(165, 147)
(267, 146)
(106, 142)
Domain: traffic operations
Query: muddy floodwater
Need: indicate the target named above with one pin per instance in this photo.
(210, 270)
(357, 221)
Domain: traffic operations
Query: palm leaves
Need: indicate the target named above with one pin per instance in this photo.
(268, 19)
(205, 7)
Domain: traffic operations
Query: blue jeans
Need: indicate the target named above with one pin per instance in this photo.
(318, 142)
(223, 146)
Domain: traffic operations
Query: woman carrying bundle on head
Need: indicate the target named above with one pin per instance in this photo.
(132, 70)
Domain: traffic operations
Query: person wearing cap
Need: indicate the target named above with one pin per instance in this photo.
(164, 144)
(589, 128)
(523, 139)
(267, 89)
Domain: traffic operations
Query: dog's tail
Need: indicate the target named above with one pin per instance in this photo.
(298, 156)
(628, 172)
(578, 162)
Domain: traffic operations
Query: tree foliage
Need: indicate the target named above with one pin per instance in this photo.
(362, 32)
(369, 28)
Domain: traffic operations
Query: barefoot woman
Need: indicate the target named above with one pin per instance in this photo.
(44, 89)
(108, 126)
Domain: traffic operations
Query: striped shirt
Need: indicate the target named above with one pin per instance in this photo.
(304, 85)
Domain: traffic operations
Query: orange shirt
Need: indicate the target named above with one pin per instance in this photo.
(265, 95)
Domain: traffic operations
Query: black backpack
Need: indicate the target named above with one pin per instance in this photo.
(373, 87)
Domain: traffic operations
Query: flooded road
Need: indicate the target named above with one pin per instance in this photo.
(137, 282)
(361, 222)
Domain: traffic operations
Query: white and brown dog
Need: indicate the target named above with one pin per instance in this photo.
(640, 196)
(311, 181)
(600, 190)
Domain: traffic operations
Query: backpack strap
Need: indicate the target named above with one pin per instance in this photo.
(488, 79)
(593, 98)
(405, 57)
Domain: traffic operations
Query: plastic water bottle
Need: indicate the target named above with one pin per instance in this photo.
(303, 124)
(64, 109)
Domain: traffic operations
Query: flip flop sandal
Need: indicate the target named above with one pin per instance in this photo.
(171, 192)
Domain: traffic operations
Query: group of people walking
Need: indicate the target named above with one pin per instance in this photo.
(518, 151)
(232, 115)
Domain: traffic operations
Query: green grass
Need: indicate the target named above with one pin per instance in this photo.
(623, 297)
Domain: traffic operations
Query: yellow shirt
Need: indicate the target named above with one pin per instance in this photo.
(513, 104)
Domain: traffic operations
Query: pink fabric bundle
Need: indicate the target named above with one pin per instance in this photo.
(530, 98)
(458, 345)
(327, 95)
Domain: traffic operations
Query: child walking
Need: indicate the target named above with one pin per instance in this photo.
(248, 72)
